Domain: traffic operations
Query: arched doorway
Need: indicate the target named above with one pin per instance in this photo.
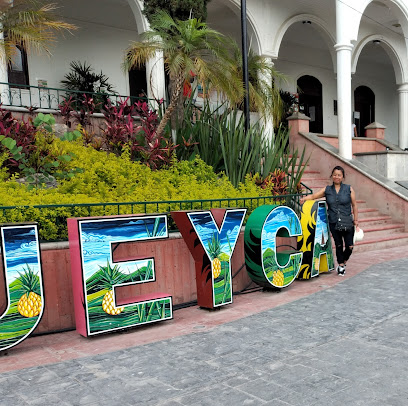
(364, 108)
(138, 82)
(310, 101)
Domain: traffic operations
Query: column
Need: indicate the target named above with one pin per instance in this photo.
(403, 116)
(4, 89)
(344, 98)
(265, 79)
(155, 77)
(343, 49)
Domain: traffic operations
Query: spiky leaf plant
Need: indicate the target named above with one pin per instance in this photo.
(214, 250)
(110, 277)
(30, 303)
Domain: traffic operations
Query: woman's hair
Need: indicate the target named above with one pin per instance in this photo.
(338, 168)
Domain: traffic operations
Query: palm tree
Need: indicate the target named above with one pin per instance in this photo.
(264, 94)
(30, 24)
(188, 47)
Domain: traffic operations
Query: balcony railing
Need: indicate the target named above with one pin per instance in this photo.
(49, 98)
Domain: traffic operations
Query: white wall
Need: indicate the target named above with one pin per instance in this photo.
(101, 46)
(296, 60)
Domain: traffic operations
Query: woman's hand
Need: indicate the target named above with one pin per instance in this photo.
(318, 195)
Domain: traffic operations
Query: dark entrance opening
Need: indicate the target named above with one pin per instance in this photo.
(311, 101)
(138, 82)
(17, 68)
(364, 106)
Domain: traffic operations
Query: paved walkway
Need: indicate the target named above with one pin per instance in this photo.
(328, 341)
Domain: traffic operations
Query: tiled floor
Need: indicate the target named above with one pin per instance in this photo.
(47, 349)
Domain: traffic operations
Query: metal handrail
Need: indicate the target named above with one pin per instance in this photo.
(57, 214)
(48, 98)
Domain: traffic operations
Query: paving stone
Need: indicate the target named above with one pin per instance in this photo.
(346, 345)
(220, 395)
(264, 389)
(12, 400)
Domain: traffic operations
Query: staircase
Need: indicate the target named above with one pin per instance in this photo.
(380, 231)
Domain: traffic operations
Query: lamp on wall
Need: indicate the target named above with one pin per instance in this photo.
(306, 22)
(376, 41)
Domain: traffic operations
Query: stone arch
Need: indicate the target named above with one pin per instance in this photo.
(398, 7)
(400, 4)
(318, 24)
(396, 60)
(235, 7)
(141, 21)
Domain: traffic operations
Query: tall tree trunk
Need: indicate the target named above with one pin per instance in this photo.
(178, 87)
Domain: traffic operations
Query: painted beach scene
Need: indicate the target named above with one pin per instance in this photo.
(101, 275)
(23, 281)
(219, 245)
(281, 269)
(323, 260)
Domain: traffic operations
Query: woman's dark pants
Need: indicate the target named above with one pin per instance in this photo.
(342, 254)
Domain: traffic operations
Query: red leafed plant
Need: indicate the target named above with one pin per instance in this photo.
(23, 132)
(155, 151)
(275, 182)
(80, 109)
(122, 128)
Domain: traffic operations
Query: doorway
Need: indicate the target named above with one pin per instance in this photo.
(137, 83)
(311, 102)
(364, 108)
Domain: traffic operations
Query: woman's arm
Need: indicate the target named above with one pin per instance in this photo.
(354, 206)
(318, 195)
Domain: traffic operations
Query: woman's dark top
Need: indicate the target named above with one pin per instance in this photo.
(338, 202)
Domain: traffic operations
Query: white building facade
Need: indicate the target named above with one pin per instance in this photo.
(348, 58)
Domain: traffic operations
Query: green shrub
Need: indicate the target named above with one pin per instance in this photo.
(107, 178)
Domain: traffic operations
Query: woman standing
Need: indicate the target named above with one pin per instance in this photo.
(341, 200)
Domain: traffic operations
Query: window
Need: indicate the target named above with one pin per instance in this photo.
(18, 68)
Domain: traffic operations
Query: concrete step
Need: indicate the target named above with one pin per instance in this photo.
(370, 221)
(381, 230)
(315, 184)
(313, 179)
(371, 244)
(364, 212)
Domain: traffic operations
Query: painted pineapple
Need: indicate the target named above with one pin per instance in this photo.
(110, 277)
(214, 250)
(278, 278)
(30, 303)
(317, 263)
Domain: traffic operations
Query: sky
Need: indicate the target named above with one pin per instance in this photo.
(96, 238)
(21, 247)
(281, 216)
(205, 226)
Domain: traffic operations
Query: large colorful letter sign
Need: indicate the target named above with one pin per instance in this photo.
(315, 243)
(23, 281)
(211, 237)
(95, 275)
(266, 266)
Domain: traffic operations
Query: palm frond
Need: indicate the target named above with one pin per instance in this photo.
(31, 24)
